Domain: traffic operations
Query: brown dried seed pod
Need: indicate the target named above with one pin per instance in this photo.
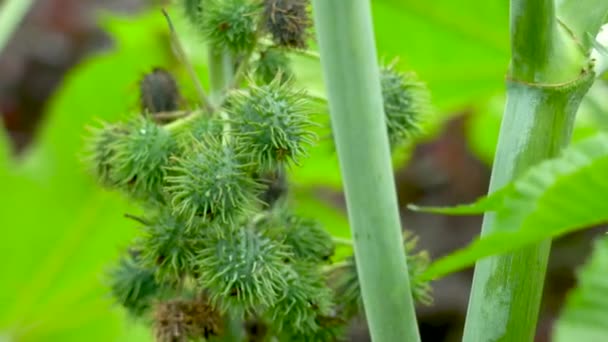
(288, 22)
(159, 92)
(182, 320)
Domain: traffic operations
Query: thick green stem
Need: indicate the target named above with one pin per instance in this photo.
(346, 41)
(507, 289)
(542, 50)
(11, 14)
(548, 78)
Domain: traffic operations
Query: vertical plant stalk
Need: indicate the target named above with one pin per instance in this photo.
(221, 72)
(351, 73)
(548, 78)
(11, 14)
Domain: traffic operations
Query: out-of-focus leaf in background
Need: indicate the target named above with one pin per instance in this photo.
(60, 230)
(460, 49)
(543, 203)
(584, 315)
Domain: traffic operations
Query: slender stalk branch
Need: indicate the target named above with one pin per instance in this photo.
(317, 97)
(137, 219)
(170, 116)
(351, 73)
(240, 72)
(336, 266)
(308, 53)
(177, 124)
(181, 55)
(221, 72)
(11, 14)
(342, 241)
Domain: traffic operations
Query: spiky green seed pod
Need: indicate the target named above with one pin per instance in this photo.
(305, 298)
(170, 247)
(406, 100)
(305, 237)
(230, 24)
(345, 282)
(271, 63)
(100, 151)
(243, 270)
(211, 184)
(193, 10)
(197, 128)
(272, 124)
(159, 92)
(288, 21)
(139, 158)
(134, 286)
(418, 262)
(186, 320)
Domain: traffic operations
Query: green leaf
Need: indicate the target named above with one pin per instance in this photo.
(584, 316)
(461, 49)
(60, 229)
(553, 198)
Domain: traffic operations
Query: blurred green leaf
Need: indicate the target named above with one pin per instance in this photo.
(61, 229)
(543, 203)
(584, 316)
(460, 49)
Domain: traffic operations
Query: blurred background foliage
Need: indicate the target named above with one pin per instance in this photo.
(60, 230)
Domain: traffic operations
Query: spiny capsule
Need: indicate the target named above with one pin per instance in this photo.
(305, 237)
(305, 298)
(101, 150)
(406, 100)
(133, 285)
(288, 22)
(186, 320)
(230, 24)
(272, 124)
(193, 10)
(212, 184)
(270, 64)
(345, 282)
(169, 247)
(243, 270)
(139, 158)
